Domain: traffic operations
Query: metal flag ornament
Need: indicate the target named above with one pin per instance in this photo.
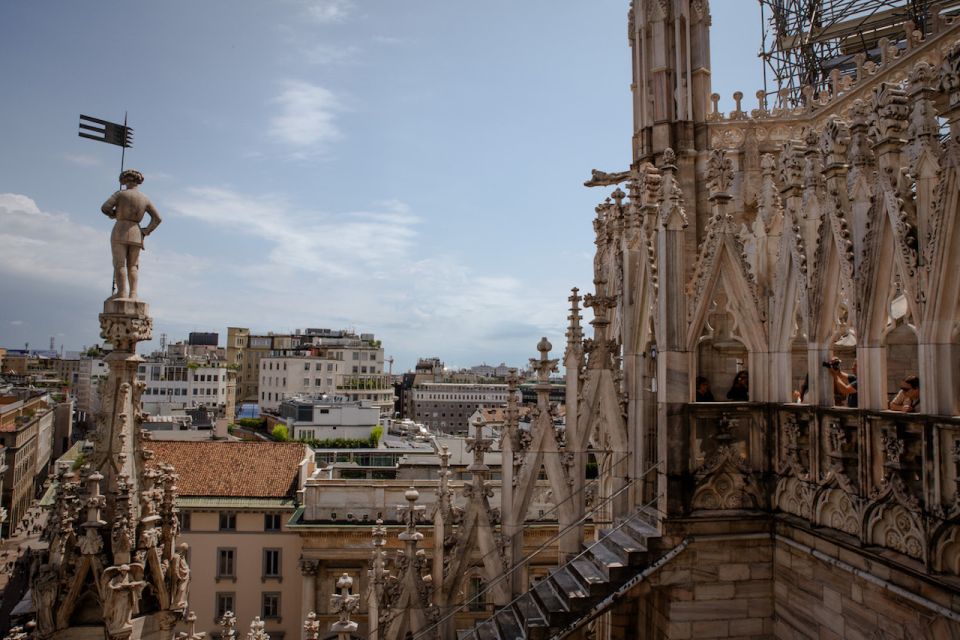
(109, 132)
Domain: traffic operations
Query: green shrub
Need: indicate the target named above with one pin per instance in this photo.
(340, 443)
(375, 434)
(280, 433)
(253, 423)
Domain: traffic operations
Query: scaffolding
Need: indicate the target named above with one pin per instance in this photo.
(804, 41)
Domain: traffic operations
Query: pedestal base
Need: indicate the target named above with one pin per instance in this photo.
(124, 322)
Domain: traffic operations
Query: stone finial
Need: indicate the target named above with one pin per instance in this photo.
(343, 604)
(257, 631)
(544, 366)
(479, 446)
(891, 110)
(192, 634)
(834, 141)
(410, 515)
(228, 626)
(311, 626)
(719, 173)
(762, 109)
(574, 330)
(715, 111)
(738, 113)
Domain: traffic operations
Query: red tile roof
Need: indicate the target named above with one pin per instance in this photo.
(238, 469)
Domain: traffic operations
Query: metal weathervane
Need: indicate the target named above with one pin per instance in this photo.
(109, 132)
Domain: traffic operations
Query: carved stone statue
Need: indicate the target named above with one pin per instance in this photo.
(45, 597)
(128, 207)
(120, 590)
(179, 573)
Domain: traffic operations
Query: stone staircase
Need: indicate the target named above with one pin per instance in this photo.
(576, 592)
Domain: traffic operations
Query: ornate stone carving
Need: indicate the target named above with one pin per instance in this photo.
(890, 111)
(228, 626)
(257, 630)
(724, 481)
(719, 173)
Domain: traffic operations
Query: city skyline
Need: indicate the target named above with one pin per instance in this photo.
(325, 163)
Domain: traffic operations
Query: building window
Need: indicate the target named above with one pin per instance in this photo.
(306, 382)
(306, 366)
(271, 563)
(228, 521)
(226, 563)
(271, 606)
(184, 521)
(271, 522)
(476, 598)
(225, 602)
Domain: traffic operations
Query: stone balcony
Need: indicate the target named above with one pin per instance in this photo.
(880, 481)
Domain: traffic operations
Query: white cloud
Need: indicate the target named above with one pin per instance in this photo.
(327, 54)
(306, 117)
(368, 269)
(16, 323)
(308, 240)
(329, 11)
(82, 160)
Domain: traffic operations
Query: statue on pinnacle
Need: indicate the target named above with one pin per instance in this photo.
(128, 207)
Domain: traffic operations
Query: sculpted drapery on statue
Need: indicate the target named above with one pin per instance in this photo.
(128, 207)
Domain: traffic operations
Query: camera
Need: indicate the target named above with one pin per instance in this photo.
(834, 364)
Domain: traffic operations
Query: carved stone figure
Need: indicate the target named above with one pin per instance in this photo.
(128, 207)
(120, 590)
(179, 573)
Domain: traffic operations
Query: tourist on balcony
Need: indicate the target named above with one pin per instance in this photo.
(908, 399)
(740, 390)
(800, 396)
(703, 390)
(844, 384)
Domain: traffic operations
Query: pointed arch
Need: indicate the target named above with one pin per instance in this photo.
(729, 269)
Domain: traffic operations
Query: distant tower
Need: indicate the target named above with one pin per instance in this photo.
(53, 346)
(390, 362)
(163, 343)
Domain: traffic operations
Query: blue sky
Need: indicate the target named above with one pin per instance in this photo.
(410, 169)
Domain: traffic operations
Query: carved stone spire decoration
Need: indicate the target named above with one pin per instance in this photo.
(412, 610)
(126, 546)
(343, 604)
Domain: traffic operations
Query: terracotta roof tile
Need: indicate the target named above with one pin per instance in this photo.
(240, 469)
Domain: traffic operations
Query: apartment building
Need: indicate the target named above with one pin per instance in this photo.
(90, 373)
(447, 407)
(324, 417)
(235, 501)
(351, 364)
(175, 385)
(26, 437)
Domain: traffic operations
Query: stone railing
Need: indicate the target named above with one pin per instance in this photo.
(882, 480)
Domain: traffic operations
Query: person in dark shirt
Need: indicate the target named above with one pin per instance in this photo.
(853, 400)
(740, 390)
(703, 390)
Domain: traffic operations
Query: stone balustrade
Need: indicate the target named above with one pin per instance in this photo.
(878, 480)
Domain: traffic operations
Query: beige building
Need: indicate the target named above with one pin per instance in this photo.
(26, 433)
(91, 372)
(235, 501)
(273, 367)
